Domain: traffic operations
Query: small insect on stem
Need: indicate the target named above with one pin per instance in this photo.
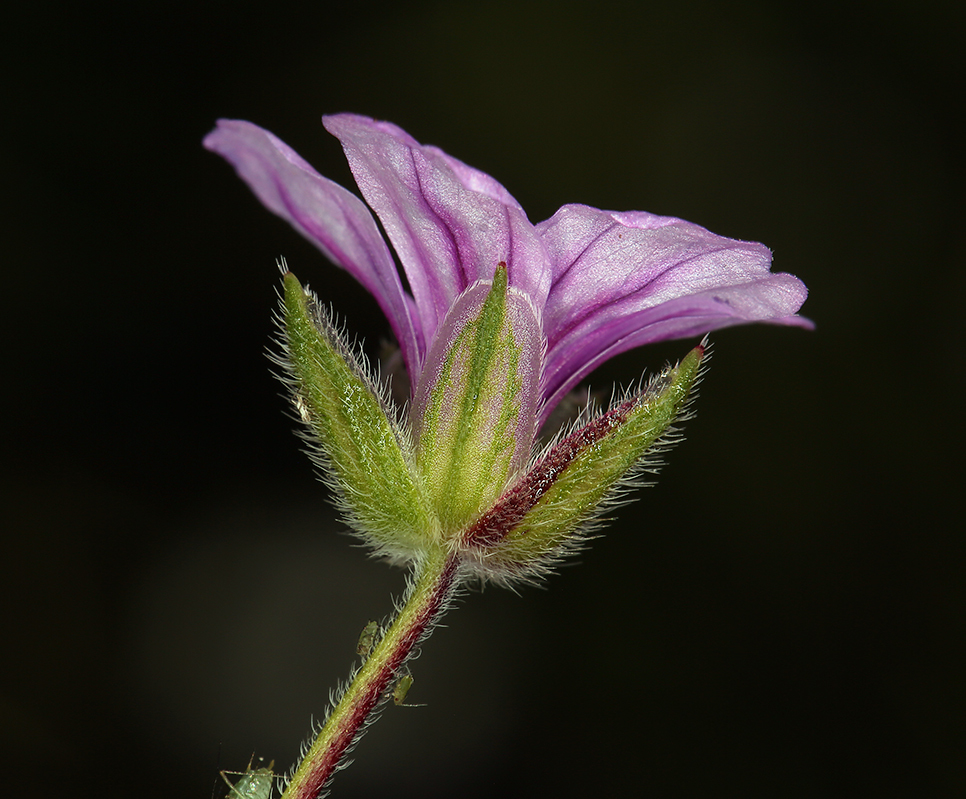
(403, 684)
(254, 784)
(368, 639)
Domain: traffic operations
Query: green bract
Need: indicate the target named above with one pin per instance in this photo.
(540, 517)
(475, 408)
(363, 453)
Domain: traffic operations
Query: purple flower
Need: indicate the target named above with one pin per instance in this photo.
(601, 282)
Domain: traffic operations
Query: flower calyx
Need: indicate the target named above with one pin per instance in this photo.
(457, 473)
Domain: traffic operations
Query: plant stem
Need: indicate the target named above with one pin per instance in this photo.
(427, 597)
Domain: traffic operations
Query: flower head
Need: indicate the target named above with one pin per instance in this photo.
(600, 282)
(503, 319)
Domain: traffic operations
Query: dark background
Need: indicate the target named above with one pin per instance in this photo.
(782, 616)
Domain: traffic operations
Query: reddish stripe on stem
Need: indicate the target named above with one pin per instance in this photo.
(376, 690)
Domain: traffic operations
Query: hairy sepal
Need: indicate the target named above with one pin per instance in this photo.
(361, 450)
(475, 408)
(547, 510)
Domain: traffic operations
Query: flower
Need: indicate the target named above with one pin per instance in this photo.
(600, 282)
(504, 318)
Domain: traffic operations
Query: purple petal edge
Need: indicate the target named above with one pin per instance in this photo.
(332, 218)
(622, 280)
(450, 224)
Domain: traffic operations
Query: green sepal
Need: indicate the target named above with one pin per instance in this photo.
(544, 513)
(362, 452)
(475, 409)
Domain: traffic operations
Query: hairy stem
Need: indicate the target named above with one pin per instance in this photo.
(426, 599)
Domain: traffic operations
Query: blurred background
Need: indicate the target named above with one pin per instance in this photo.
(782, 616)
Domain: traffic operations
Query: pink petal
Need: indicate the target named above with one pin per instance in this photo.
(626, 279)
(450, 224)
(333, 219)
